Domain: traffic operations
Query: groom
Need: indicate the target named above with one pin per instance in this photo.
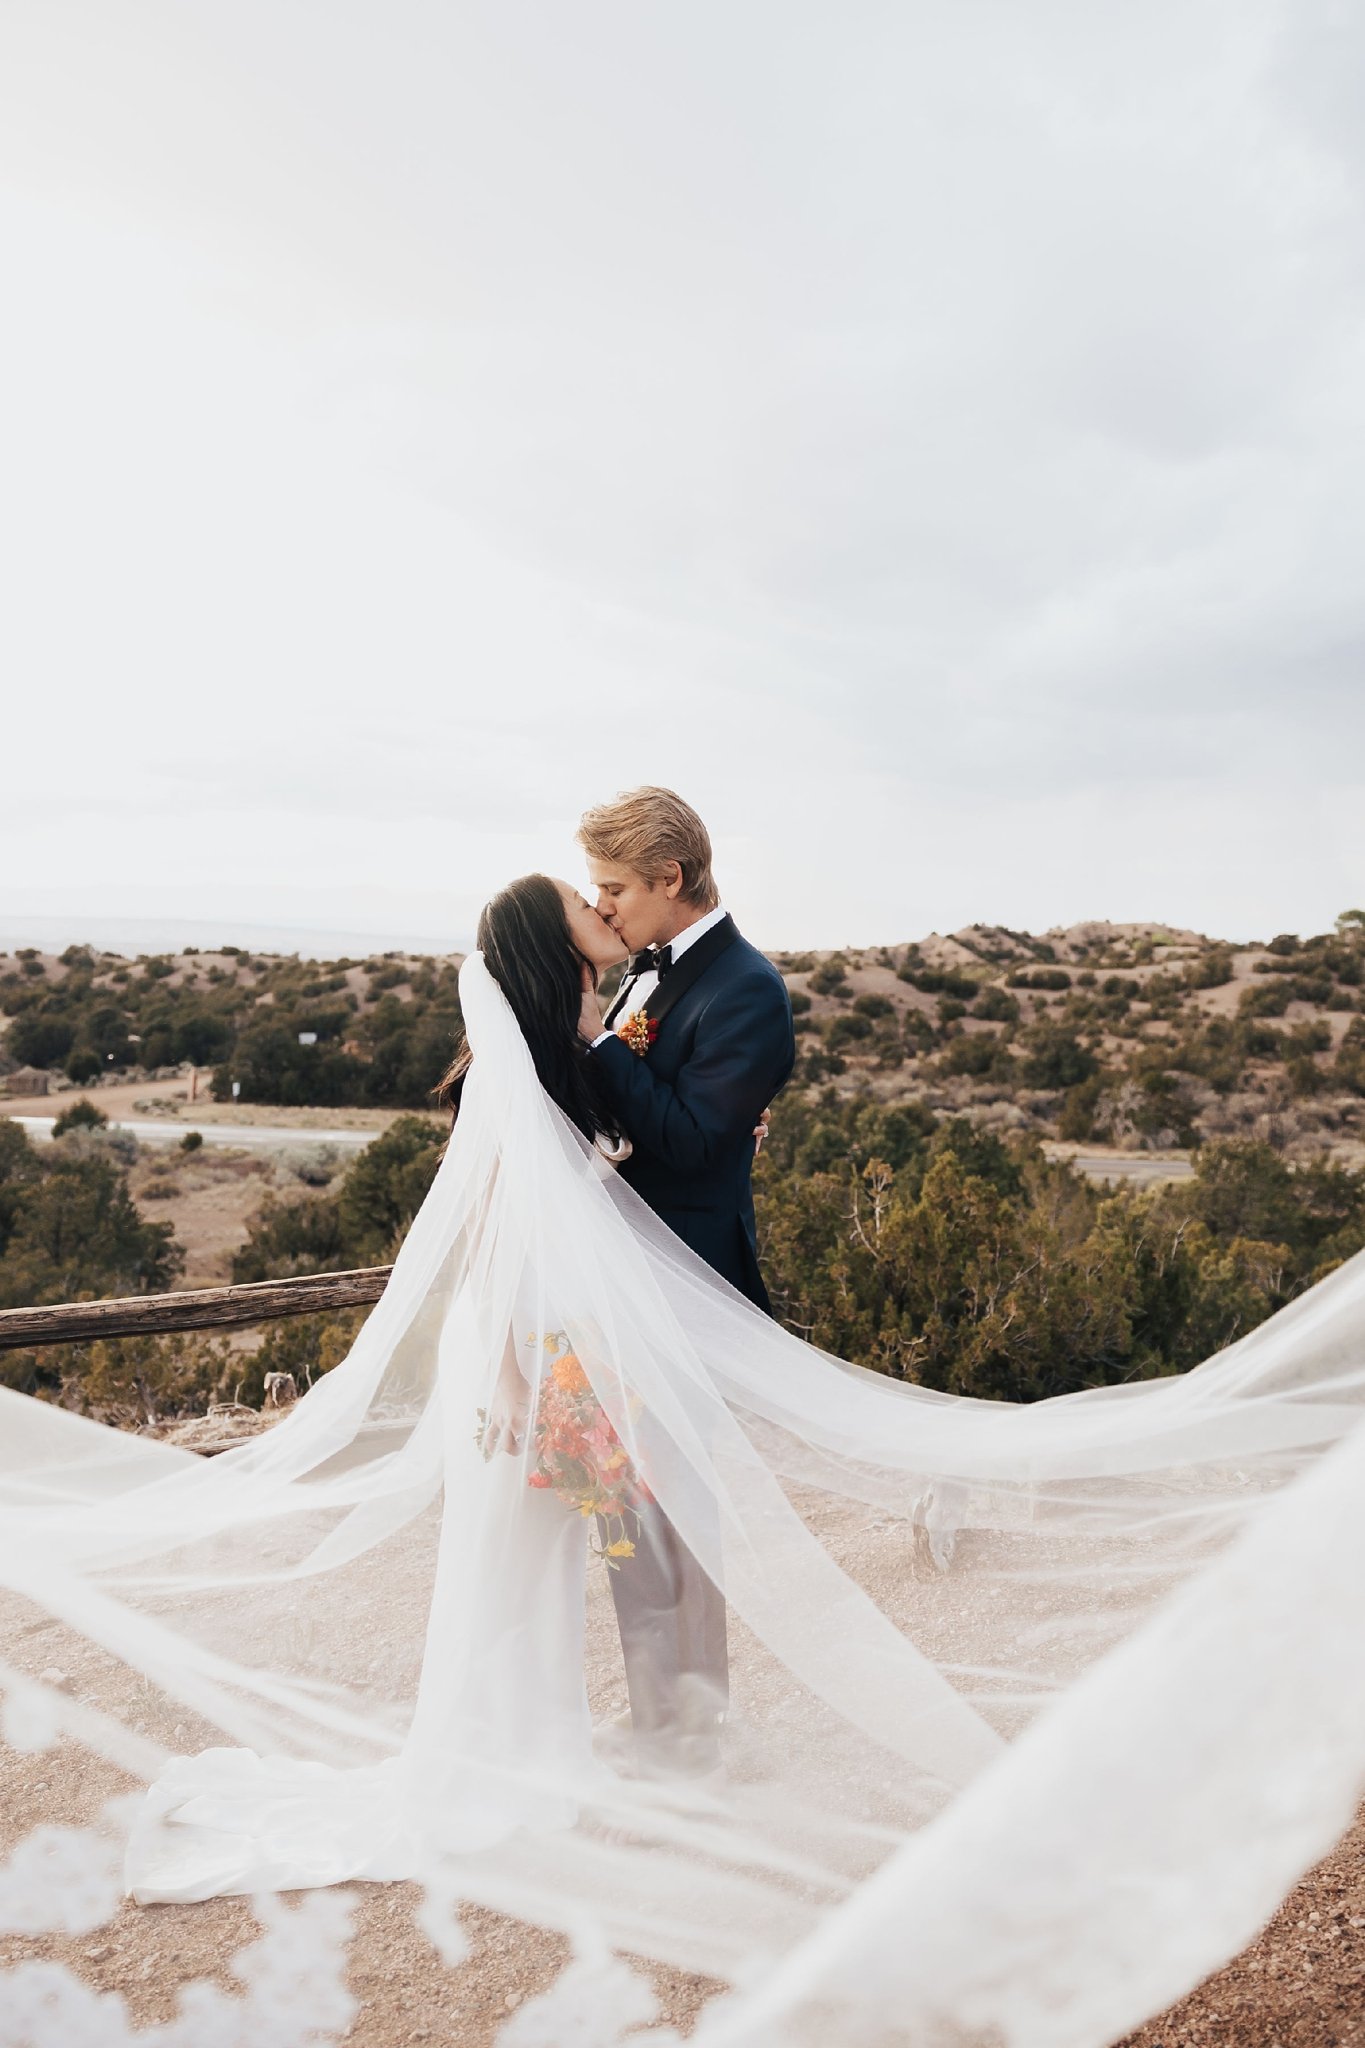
(715, 1021)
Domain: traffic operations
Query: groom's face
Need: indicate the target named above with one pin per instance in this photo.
(641, 913)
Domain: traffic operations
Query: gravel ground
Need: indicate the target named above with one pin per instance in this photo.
(1301, 1984)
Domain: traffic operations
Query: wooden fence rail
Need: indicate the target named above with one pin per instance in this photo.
(208, 1308)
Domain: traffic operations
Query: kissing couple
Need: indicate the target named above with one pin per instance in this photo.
(672, 1084)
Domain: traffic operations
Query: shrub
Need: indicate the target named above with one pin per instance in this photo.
(362, 1223)
(974, 1054)
(996, 1005)
(1348, 1068)
(977, 1266)
(890, 1047)
(409, 1059)
(40, 1040)
(1214, 970)
(286, 1238)
(82, 1115)
(69, 1229)
(1270, 1001)
(203, 1037)
(845, 1030)
(1039, 977)
(1055, 1058)
(1244, 1189)
(934, 981)
(1077, 1120)
(131, 1382)
(306, 1346)
(819, 1065)
(314, 1165)
(830, 977)
(874, 1006)
(191, 1141)
(390, 976)
(811, 1137)
(272, 1066)
(979, 1153)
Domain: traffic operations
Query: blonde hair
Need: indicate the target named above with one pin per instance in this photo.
(645, 829)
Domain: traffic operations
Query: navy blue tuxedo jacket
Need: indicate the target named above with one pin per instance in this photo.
(725, 1046)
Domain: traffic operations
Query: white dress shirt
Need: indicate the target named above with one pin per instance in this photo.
(638, 992)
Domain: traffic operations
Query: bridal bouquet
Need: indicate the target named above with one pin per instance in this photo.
(580, 1458)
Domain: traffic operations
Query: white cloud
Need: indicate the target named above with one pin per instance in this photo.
(924, 435)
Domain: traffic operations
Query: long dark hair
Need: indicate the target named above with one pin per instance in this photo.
(529, 950)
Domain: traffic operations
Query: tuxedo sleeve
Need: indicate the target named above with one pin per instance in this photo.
(742, 1056)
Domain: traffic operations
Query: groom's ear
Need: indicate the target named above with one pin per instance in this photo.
(673, 880)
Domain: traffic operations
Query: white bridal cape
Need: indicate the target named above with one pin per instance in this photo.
(1037, 1711)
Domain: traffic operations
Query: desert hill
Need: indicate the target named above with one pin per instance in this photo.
(1131, 1035)
(1136, 1035)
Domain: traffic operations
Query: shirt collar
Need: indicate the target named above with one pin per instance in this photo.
(696, 931)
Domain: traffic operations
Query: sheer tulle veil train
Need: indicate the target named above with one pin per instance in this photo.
(1037, 1711)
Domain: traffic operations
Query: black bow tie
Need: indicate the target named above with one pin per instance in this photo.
(654, 960)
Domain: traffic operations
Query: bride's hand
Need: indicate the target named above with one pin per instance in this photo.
(761, 1129)
(505, 1429)
(590, 1015)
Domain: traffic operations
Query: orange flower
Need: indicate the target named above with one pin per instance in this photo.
(639, 1031)
(569, 1375)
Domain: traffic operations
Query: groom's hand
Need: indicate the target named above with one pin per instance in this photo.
(590, 1023)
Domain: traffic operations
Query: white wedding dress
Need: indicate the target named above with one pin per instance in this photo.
(1029, 1793)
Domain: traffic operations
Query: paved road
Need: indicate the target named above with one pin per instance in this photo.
(247, 1137)
(1141, 1167)
(1134, 1166)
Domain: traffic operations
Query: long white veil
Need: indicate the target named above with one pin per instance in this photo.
(1036, 1711)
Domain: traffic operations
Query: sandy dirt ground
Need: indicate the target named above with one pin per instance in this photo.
(1301, 1984)
(209, 1198)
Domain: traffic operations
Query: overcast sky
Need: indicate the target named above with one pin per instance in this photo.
(928, 436)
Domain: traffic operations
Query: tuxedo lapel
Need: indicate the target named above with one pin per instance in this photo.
(690, 968)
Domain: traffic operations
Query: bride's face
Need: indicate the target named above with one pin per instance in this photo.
(592, 935)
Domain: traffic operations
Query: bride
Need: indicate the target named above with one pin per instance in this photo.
(1029, 1795)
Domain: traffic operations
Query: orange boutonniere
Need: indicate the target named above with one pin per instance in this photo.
(639, 1031)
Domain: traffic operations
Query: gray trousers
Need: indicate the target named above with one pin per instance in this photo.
(672, 1623)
